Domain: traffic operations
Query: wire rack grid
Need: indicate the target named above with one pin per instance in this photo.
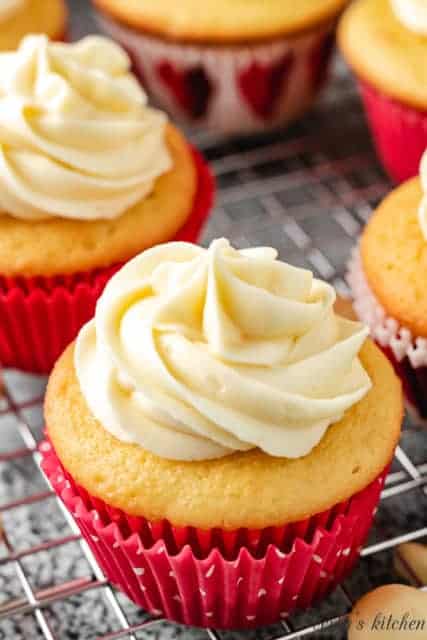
(307, 191)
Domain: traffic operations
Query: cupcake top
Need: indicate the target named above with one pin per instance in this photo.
(58, 246)
(394, 37)
(77, 137)
(198, 353)
(222, 21)
(250, 489)
(394, 253)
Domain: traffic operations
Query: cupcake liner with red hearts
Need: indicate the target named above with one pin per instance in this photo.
(222, 579)
(407, 353)
(230, 89)
(40, 316)
(399, 132)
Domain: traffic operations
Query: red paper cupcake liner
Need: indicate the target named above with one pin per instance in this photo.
(222, 579)
(399, 132)
(230, 89)
(40, 316)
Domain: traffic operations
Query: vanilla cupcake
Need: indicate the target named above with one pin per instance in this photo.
(89, 176)
(19, 18)
(220, 435)
(385, 43)
(232, 67)
(387, 277)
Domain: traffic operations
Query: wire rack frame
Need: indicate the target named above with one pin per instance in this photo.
(302, 164)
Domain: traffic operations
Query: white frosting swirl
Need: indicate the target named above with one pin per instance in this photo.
(9, 8)
(195, 354)
(412, 14)
(77, 139)
(422, 211)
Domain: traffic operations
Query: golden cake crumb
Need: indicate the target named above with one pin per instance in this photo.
(222, 21)
(394, 257)
(242, 490)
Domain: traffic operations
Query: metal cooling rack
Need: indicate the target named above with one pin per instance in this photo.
(308, 192)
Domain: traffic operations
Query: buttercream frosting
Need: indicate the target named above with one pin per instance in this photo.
(199, 353)
(9, 8)
(422, 211)
(412, 14)
(77, 139)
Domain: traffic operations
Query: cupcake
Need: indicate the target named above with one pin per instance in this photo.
(385, 43)
(232, 67)
(220, 435)
(387, 277)
(21, 17)
(89, 177)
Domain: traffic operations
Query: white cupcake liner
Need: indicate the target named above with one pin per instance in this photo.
(386, 331)
(237, 88)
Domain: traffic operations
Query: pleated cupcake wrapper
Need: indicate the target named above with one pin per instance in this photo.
(199, 577)
(398, 130)
(407, 353)
(230, 89)
(40, 316)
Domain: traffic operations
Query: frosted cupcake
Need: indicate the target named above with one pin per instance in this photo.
(89, 176)
(18, 18)
(385, 43)
(234, 66)
(387, 276)
(209, 431)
